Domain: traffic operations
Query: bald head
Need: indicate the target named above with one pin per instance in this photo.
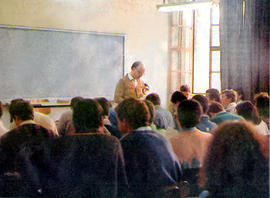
(137, 69)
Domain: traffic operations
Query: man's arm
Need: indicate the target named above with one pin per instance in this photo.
(119, 91)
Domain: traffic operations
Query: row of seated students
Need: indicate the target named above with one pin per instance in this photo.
(147, 162)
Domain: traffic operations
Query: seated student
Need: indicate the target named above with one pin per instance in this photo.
(87, 163)
(205, 124)
(3, 129)
(26, 130)
(212, 95)
(163, 118)
(236, 164)
(228, 100)
(65, 125)
(152, 114)
(219, 115)
(151, 164)
(176, 98)
(39, 118)
(107, 124)
(262, 104)
(184, 89)
(190, 144)
(248, 111)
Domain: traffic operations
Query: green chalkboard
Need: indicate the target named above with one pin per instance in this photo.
(38, 63)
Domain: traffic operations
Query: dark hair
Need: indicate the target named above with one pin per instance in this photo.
(203, 102)
(134, 112)
(235, 165)
(151, 109)
(262, 104)
(214, 97)
(212, 90)
(22, 109)
(154, 98)
(136, 64)
(247, 110)
(87, 116)
(230, 93)
(184, 88)
(215, 107)
(240, 92)
(75, 100)
(189, 113)
(105, 104)
(177, 96)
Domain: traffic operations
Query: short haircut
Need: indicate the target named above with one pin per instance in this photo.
(229, 93)
(262, 104)
(189, 113)
(214, 97)
(87, 116)
(184, 88)
(212, 90)
(154, 98)
(136, 64)
(215, 107)
(177, 96)
(105, 104)
(151, 109)
(247, 110)
(75, 100)
(22, 109)
(203, 102)
(134, 112)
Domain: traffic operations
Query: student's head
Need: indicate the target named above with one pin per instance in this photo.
(74, 101)
(20, 110)
(105, 104)
(137, 69)
(177, 97)
(235, 165)
(240, 94)
(185, 90)
(189, 113)
(262, 104)
(87, 116)
(215, 108)
(228, 96)
(248, 111)
(203, 102)
(151, 109)
(212, 95)
(131, 114)
(154, 98)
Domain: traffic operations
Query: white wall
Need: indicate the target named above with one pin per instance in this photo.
(146, 29)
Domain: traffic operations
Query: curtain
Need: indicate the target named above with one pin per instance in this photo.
(244, 41)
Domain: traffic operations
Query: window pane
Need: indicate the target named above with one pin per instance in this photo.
(187, 16)
(175, 81)
(216, 81)
(175, 33)
(175, 60)
(215, 15)
(201, 51)
(215, 61)
(215, 36)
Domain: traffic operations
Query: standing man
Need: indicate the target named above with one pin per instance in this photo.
(131, 86)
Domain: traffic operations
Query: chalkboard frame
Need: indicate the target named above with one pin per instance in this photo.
(54, 99)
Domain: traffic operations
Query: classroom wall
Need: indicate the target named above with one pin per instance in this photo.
(146, 29)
